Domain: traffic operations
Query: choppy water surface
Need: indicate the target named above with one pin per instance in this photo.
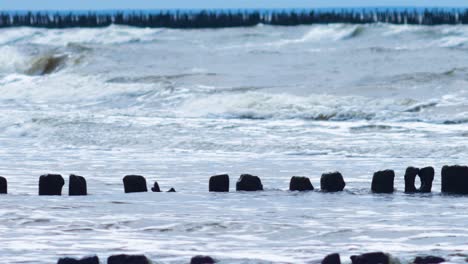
(181, 105)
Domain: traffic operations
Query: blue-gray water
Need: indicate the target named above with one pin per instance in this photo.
(178, 106)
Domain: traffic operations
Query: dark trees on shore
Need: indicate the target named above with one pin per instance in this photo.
(231, 18)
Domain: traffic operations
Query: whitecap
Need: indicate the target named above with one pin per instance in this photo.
(12, 59)
(110, 35)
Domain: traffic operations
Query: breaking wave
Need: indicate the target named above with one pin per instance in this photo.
(258, 105)
(47, 64)
(333, 32)
(11, 59)
(324, 33)
(441, 36)
(157, 74)
(16, 61)
(62, 37)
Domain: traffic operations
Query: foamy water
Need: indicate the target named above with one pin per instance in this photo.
(178, 106)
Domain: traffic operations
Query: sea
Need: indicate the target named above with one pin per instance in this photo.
(178, 106)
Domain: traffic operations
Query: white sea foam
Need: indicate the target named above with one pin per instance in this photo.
(10, 36)
(452, 42)
(12, 60)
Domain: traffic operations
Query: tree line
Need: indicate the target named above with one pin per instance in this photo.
(222, 19)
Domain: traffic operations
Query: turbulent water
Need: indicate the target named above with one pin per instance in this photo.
(178, 106)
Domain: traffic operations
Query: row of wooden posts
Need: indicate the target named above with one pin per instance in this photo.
(129, 259)
(454, 180)
(366, 258)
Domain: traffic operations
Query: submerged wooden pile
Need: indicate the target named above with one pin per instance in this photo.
(232, 18)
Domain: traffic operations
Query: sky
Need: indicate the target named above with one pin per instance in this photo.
(210, 4)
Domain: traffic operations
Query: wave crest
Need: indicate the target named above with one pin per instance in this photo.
(325, 107)
(328, 32)
(14, 60)
(257, 105)
(47, 64)
(63, 37)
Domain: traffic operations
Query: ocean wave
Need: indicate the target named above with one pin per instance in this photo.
(47, 64)
(261, 36)
(254, 102)
(387, 50)
(10, 36)
(276, 39)
(257, 105)
(385, 37)
(62, 37)
(420, 107)
(333, 32)
(377, 128)
(156, 78)
(421, 78)
(453, 42)
(437, 36)
(456, 121)
(236, 102)
(358, 31)
(14, 60)
(433, 36)
(329, 32)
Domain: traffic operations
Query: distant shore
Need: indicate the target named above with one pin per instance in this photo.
(231, 18)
